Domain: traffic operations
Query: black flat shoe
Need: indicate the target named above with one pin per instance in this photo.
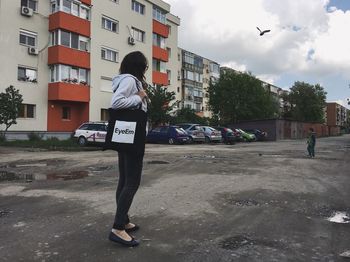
(132, 229)
(132, 243)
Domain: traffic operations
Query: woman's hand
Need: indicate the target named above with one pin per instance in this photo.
(142, 94)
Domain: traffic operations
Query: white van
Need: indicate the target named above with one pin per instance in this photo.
(91, 132)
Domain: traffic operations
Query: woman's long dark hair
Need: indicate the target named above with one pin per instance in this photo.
(136, 64)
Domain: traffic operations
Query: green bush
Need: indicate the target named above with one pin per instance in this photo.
(2, 137)
(52, 139)
(33, 136)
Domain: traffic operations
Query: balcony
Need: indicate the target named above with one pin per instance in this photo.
(198, 99)
(68, 92)
(87, 2)
(160, 78)
(68, 56)
(160, 54)
(62, 20)
(160, 29)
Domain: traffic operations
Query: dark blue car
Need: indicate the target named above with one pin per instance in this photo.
(168, 134)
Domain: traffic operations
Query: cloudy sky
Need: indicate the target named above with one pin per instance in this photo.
(309, 39)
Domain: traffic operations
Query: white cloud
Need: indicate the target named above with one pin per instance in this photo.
(305, 37)
(342, 102)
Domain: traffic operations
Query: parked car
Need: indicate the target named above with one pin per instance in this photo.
(194, 131)
(168, 134)
(91, 132)
(246, 136)
(260, 135)
(211, 134)
(228, 135)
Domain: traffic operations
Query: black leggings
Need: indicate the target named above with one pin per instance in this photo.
(130, 169)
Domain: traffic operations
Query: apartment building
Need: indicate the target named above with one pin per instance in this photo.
(63, 54)
(336, 115)
(196, 73)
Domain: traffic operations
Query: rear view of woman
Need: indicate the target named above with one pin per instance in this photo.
(128, 94)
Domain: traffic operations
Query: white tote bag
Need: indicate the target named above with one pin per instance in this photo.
(124, 132)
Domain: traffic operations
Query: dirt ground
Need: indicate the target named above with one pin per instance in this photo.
(263, 201)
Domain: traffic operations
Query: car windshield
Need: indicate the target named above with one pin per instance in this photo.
(229, 130)
(179, 130)
(184, 126)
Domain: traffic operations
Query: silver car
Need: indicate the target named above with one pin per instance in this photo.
(194, 131)
(211, 134)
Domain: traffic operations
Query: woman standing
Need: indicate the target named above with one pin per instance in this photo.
(128, 94)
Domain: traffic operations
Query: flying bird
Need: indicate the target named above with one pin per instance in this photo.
(262, 32)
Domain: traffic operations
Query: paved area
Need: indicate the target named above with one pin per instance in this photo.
(197, 203)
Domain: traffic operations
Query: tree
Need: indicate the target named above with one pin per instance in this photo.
(10, 104)
(240, 96)
(307, 102)
(187, 115)
(159, 107)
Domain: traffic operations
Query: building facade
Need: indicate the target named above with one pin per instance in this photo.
(196, 74)
(337, 115)
(63, 54)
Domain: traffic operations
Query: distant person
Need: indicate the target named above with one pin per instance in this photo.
(311, 142)
(128, 94)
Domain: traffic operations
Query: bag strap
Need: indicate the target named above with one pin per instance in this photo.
(139, 89)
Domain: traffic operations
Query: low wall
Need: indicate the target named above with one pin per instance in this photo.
(23, 135)
(279, 129)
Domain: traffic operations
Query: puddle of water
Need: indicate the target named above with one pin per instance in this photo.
(339, 217)
(67, 176)
(156, 162)
(72, 175)
(32, 165)
(4, 212)
(245, 202)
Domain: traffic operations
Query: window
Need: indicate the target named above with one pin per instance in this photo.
(54, 38)
(215, 68)
(74, 41)
(188, 58)
(84, 12)
(66, 113)
(109, 54)
(26, 111)
(75, 9)
(71, 40)
(83, 43)
(169, 29)
(66, 6)
(198, 61)
(168, 72)
(30, 3)
(74, 75)
(55, 6)
(27, 38)
(27, 74)
(137, 7)
(138, 34)
(104, 114)
(71, 7)
(158, 41)
(169, 51)
(159, 66)
(65, 38)
(159, 14)
(110, 24)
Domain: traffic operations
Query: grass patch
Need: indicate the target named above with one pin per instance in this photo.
(52, 144)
